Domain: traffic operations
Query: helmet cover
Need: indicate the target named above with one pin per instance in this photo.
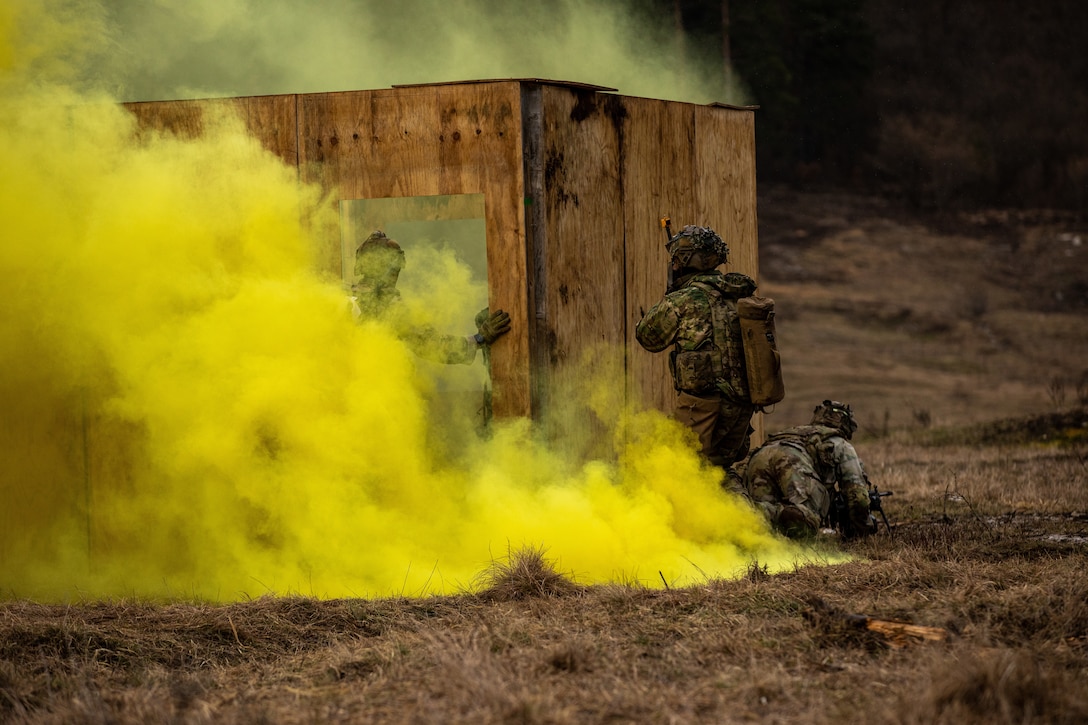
(692, 239)
(378, 257)
(835, 415)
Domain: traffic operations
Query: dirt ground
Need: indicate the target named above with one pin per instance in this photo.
(972, 609)
(924, 320)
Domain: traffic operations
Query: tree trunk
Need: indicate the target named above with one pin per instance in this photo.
(727, 53)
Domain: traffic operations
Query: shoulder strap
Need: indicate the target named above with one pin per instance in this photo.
(718, 322)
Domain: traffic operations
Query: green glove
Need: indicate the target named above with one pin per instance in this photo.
(492, 325)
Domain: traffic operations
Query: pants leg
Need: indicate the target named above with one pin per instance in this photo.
(724, 427)
(783, 484)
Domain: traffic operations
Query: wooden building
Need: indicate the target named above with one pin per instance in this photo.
(568, 181)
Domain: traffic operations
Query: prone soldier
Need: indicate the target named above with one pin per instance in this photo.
(794, 476)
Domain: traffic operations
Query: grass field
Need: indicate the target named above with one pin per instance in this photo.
(966, 371)
(986, 557)
(924, 320)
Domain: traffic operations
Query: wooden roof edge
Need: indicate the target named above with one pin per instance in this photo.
(542, 81)
(205, 99)
(719, 104)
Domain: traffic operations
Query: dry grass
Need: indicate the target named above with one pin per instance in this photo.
(989, 543)
(524, 574)
(1003, 577)
(922, 321)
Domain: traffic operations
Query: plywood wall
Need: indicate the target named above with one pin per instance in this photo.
(611, 167)
(725, 182)
(725, 190)
(578, 262)
(436, 140)
(270, 119)
(659, 178)
(696, 165)
(575, 182)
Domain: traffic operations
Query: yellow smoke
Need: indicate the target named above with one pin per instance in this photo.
(172, 49)
(190, 411)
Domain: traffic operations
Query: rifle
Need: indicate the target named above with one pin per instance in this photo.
(666, 224)
(839, 517)
(875, 504)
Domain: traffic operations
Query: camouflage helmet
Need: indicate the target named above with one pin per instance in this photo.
(378, 256)
(698, 247)
(835, 415)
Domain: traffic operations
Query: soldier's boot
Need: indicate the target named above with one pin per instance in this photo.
(733, 483)
(793, 523)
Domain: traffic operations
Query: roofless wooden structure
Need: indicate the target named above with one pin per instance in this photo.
(570, 181)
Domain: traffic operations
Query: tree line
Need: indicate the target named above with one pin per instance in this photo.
(945, 103)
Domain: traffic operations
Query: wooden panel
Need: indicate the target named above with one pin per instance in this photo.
(726, 182)
(270, 119)
(606, 167)
(658, 174)
(582, 250)
(353, 144)
(726, 190)
(437, 140)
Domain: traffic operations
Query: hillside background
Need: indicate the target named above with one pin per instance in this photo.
(923, 319)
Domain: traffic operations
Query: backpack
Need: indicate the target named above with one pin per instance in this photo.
(761, 357)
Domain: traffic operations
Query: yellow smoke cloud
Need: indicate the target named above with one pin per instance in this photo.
(172, 49)
(190, 410)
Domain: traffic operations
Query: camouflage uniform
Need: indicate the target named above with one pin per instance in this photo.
(699, 318)
(792, 475)
(423, 341)
(378, 262)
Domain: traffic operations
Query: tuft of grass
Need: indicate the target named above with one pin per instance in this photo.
(1007, 686)
(525, 574)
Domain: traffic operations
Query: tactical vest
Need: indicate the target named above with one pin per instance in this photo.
(814, 440)
(718, 366)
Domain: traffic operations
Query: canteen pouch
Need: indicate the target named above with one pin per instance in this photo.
(761, 357)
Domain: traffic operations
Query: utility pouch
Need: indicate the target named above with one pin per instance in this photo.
(694, 372)
(761, 357)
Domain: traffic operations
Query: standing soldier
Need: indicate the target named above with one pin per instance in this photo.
(378, 262)
(793, 476)
(698, 317)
